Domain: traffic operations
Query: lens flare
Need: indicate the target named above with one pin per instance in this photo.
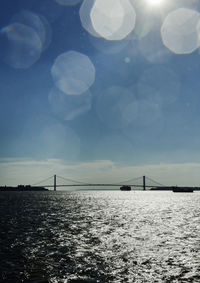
(22, 45)
(84, 13)
(113, 19)
(116, 107)
(180, 31)
(73, 73)
(69, 107)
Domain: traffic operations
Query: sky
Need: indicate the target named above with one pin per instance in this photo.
(100, 90)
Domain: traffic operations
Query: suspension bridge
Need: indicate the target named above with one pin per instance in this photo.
(143, 183)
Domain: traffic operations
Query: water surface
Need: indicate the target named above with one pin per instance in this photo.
(100, 236)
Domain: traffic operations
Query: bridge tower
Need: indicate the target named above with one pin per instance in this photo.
(144, 183)
(54, 182)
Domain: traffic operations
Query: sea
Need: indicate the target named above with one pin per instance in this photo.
(100, 236)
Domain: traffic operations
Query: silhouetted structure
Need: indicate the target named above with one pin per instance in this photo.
(22, 188)
(54, 182)
(182, 190)
(144, 183)
(176, 189)
(125, 188)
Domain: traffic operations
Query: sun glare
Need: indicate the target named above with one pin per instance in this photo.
(154, 2)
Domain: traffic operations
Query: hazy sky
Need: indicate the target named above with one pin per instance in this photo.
(101, 96)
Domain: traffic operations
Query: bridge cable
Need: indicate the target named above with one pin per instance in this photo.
(67, 179)
(131, 180)
(156, 183)
(42, 181)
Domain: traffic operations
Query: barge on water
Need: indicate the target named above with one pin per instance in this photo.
(182, 189)
(125, 188)
(176, 189)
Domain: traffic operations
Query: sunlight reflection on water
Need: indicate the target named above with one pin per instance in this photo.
(100, 236)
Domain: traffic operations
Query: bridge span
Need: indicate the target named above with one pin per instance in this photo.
(140, 182)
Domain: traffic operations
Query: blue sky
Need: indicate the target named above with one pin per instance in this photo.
(140, 108)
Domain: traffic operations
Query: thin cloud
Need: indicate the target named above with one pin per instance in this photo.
(16, 171)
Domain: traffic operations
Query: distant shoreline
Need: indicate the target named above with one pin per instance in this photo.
(21, 188)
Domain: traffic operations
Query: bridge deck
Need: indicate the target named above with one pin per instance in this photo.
(96, 185)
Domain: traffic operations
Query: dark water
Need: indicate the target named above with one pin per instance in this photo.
(100, 236)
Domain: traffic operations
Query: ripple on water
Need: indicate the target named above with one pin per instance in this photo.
(99, 236)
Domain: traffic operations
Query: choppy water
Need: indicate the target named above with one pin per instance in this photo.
(100, 236)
